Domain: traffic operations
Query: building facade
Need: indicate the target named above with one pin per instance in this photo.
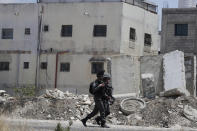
(179, 30)
(70, 41)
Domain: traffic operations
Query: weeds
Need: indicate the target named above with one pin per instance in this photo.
(28, 91)
(60, 128)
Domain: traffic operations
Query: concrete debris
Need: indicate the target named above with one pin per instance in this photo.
(2, 92)
(190, 113)
(174, 74)
(134, 119)
(56, 94)
(160, 112)
(148, 85)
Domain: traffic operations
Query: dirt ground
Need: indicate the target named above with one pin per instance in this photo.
(160, 112)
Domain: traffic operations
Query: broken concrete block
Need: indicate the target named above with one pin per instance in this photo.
(148, 85)
(2, 92)
(56, 94)
(190, 113)
(174, 74)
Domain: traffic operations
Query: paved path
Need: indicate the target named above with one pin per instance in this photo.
(49, 125)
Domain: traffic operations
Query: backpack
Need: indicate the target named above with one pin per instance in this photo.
(91, 89)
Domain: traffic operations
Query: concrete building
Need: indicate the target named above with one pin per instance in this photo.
(179, 30)
(18, 44)
(74, 39)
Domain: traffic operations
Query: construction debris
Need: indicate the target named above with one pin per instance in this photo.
(190, 113)
(56, 94)
(160, 112)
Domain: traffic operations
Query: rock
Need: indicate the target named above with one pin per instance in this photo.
(180, 106)
(56, 94)
(190, 113)
(113, 120)
(134, 119)
(68, 94)
(2, 92)
(174, 74)
(72, 118)
(49, 116)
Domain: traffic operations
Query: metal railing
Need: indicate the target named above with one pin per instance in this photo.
(140, 3)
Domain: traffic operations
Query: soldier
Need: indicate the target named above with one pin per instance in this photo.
(108, 99)
(98, 89)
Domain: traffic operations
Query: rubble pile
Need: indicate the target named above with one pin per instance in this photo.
(168, 112)
(56, 105)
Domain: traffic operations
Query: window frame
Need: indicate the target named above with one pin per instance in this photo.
(95, 71)
(46, 28)
(43, 65)
(66, 30)
(26, 65)
(64, 69)
(134, 34)
(181, 30)
(149, 42)
(27, 31)
(5, 67)
(4, 34)
(99, 32)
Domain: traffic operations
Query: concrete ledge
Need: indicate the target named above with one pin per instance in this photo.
(125, 95)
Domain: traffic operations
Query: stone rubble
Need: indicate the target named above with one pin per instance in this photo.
(160, 112)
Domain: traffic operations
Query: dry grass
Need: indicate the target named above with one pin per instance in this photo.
(6, 127)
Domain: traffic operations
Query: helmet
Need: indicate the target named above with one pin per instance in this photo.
(106, 75)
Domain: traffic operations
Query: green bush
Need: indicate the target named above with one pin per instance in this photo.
(60, 128)
(27, 91)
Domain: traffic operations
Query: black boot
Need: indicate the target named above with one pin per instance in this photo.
(84, 121)
(98, 120)
(104, 126)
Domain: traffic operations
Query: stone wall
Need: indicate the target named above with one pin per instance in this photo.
(153, 65)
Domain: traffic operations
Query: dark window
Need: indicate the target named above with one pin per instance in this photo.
(181, 29)
(26, 65)
(4, 66)
(97, 66)
(100, 30)
(132, 34)
(7, 33)
(46, 28)
(66, 31)
(65, 67)
(147, 39)
(27, 31)
(44, 65)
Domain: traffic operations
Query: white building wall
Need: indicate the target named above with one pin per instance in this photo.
(22, 48)
(19, 17)
(144, 22)
(126, 74)
(83, 17)
(76, 80)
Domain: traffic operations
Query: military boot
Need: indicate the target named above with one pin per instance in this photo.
(104, 126)
(84, 121)
(98, 120)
